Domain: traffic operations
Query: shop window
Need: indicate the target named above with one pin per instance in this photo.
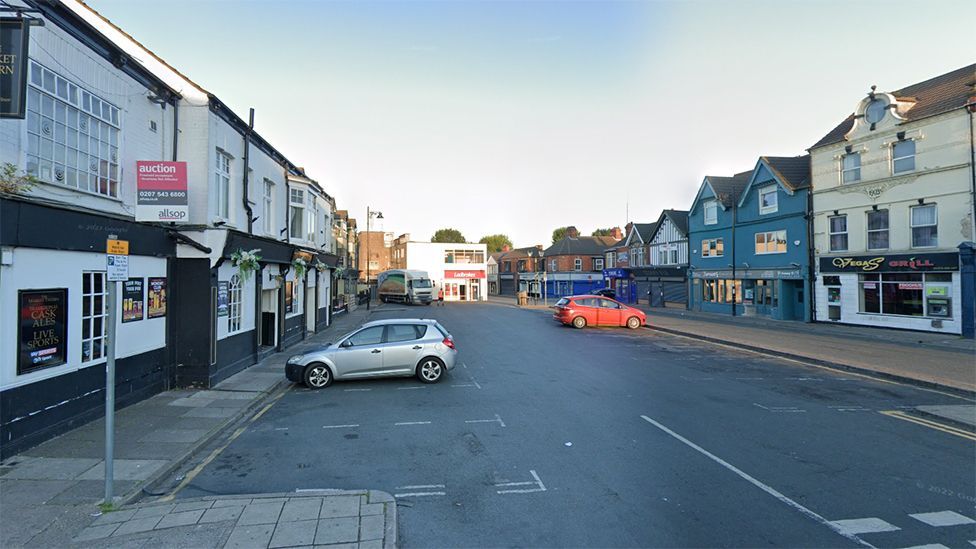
(878, 230)
(712, 247)
(838, 233)
(289, 296)
(296, 212)
(711, 212)
(905, 294)
(768, 200)
(925, 229)
(851, 167)
(72, 135)
(234, 302)
(94, 311)
(772, 242)
(721, 291)
(903, 156)
(766, 293)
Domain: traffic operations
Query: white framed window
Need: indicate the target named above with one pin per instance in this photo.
(72, 135)
(768, 200)
(597, 263)
(878, 230)
(578, 264)
(713, 247)
(611, 259)
(673, 256)
(94, 312)
(234, 303)
(851, 167)
(553, 266)
(837, 225)
(296, 209)
(711, 212)
(903, 156)
(925, 226)
(222, 184)
(638, 256)
(771, 242)
(269, 187)
(311, 206)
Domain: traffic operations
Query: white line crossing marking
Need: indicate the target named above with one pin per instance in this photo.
(764, 487)
(869, 525)
(419, 494)
(413, 423)
(780, 409)
(498, 420)
(340, 426)
(540, 487)
(943, 518)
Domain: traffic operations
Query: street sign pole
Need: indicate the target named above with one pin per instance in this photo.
(116, 269)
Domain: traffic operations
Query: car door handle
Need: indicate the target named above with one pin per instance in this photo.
(416, 347)
(375, 351)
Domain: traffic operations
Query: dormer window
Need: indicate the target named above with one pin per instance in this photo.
(711, 212)
(768, 200)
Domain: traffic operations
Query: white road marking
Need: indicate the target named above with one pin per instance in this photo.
(540, 487)
(281, 428)
(780, 409)
(498, 420)
(928, 546)
(340, 426)
(413, 423)
(419, 494)
(355, 390)
(475, 383)
(420, 486)
(849, 408)
(943, 518)
(870, 525)
(463, 385)
(750, 378)
(410, 388)
(764, 487)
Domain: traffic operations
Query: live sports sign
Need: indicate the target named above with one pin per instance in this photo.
(162, 191)
(464, 274)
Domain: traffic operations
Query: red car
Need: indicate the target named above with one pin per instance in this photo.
(583, 310)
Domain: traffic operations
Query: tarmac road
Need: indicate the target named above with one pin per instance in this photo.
(550, 436)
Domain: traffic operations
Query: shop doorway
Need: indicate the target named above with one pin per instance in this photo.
(310, 308)
(269, 323)
(463, 288)
(474, 290)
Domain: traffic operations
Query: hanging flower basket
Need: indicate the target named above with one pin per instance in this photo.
(300, 266)
(246, 262)
(320, 266)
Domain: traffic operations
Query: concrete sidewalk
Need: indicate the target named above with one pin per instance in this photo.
(50, 493)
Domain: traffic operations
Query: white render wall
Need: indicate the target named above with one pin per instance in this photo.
(56, 50)
(39, 269)
(224, 274)
(429, 256)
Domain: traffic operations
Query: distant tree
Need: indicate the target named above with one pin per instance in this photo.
(445, 236)
(602, 232)
(496, 242)
(558, 234)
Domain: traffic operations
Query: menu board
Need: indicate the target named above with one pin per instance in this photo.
(43, 329)
(133, 302)
(156, 298)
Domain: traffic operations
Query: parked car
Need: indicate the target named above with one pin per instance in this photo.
(580, 311)
(398, 347)
(605, 292)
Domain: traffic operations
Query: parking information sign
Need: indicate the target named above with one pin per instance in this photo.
(117, 260)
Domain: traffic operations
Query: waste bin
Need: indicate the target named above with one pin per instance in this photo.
(523, 298)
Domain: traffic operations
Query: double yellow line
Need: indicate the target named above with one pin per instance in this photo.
(931, 424)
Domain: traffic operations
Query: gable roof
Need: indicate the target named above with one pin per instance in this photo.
(616, 245)
(726, 189)
(679, 218)
(943, 93)
(645, 230)
(583, 245)
(792, 171)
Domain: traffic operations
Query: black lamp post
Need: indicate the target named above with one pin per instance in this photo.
(369, 287)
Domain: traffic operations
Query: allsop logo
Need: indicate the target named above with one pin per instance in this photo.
(157, 168)
(863, 264)
(169, 215)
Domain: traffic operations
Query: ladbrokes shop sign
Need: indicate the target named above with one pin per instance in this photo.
(890, 263)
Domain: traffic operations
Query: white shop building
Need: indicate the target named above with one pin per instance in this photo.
(460, 270)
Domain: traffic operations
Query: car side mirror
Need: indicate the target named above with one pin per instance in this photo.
(346, 343)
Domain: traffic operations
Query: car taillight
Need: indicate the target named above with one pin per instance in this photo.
(449, 342)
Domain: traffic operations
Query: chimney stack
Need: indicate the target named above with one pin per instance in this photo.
(616, 233)
(572, 232)
(506, 248)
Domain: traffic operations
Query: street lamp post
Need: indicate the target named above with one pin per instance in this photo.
(369, 288)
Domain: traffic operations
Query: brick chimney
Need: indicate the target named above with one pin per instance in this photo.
(627, 228)
(616, 233)
(506, 248)
(572, 232)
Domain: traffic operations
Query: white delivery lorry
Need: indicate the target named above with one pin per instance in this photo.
(404, 286)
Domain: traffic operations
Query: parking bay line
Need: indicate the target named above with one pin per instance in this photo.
(419, 494)
(540, 487)
(498, 419)
(758, 484)
(340, 426)
(412, 423)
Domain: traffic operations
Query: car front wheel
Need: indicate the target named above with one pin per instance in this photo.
(579, 323)
(430, 370)
(318, 376)
(633, 323)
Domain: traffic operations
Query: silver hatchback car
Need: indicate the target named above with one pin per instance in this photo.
(382, 348)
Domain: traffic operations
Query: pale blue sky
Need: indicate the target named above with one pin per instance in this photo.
(518, 117)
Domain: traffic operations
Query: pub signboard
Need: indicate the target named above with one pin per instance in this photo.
(42, 336)
(14, 36)
(919, 263)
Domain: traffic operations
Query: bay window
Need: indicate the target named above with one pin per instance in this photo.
(296, 212)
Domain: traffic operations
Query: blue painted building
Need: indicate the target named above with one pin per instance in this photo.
(750, 240)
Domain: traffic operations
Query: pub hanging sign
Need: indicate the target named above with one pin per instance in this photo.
(42, 335)
(14, 35)
(919, 263)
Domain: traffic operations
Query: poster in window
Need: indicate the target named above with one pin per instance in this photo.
(289, 296)
(156, 298)
(43, 329)
(223, 294)
(133, 302)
